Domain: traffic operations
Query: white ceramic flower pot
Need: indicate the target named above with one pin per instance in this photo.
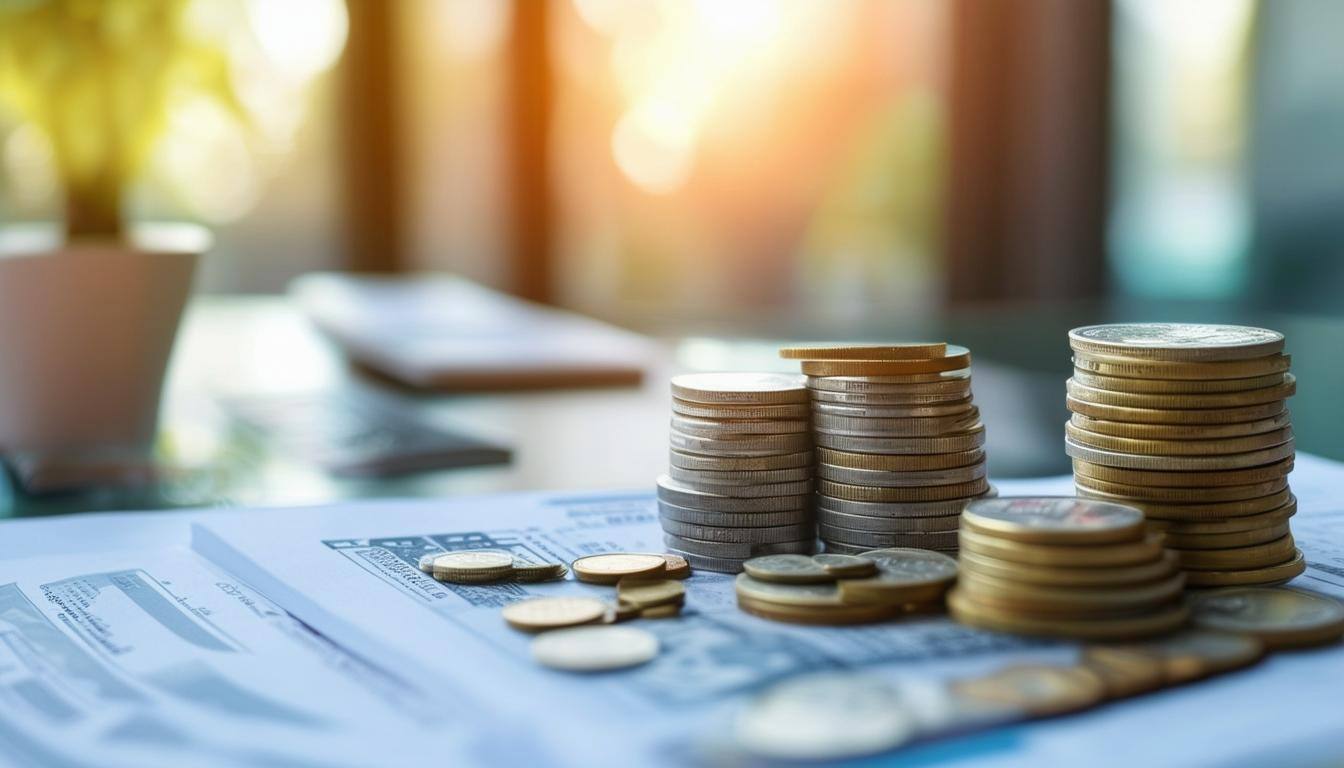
(85, 334)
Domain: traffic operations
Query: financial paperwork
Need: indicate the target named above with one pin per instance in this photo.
(307, 637)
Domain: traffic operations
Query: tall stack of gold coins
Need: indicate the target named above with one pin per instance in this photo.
(900, 446)
(1065, 567)
(741, 477)
(1189, 423)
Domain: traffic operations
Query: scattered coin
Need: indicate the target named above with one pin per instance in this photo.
(788, 569)
(1280, 618)
(611, 568)
(825, 717)
(650, 593)
(1187, 655)
(1124, 672)
(1042, 691)
(846, 566)
(595, 649)
(669, 611)
(538, 614)
(677, 566)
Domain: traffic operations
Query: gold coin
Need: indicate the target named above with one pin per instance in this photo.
(916, 494)
(1280, 618)
(1085, 556)
(942, 381)
(943, 396)
(531, 573)
(746, 388)
(1035, 689)
(901, 351)
(791, 594)
(970, 612)
(755, 445)
(676, 566)
(669, 611)
(1187, 655)
(1124, 672)
(611, 568)
(1073, 602)
(1181, 431)
(846, 614)
(1177, 341)
(1054, 520)
(479, 563)
(1249, 476)
(1179, 495)
(920, 411)
(1207, 512)
(647, 593)
(595, 649)
(788, 569)
(1226, 540)
(846, 566)
(542, 613)
(1178, 447)
(1174, 386)
(956, 357)
(739, 412)
(1178, 463)
(727, 430)
(1196, 401)
(935, 426)
(899, 462)
(1128, 367)
(699, 463)
(1174, 415)
(1274, 574)
(968, 439)
(884, 478)
(1222, 526)
(1255, 556)
(904, 575)
(1056, 576)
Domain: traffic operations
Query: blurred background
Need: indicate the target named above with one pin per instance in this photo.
(722, 172)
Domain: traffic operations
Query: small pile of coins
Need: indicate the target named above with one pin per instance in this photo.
(899, 444)
(488, 566)
(1065, 567)
(1189, 423)
(832, 588)
(741, 477)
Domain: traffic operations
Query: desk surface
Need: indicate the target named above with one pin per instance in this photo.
(595, 438)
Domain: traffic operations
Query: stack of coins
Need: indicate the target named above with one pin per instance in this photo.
(740, 483)
(1189, 423)
(1065, 567)
(899, 444)
(845, 589)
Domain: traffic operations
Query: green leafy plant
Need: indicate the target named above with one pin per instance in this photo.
(98, 78)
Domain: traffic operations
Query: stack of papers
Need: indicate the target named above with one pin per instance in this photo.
(308, 637)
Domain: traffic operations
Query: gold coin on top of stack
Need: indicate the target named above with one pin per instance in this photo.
(876, 585)
(740, 479)
(1064, 567)
(900, 446)
(1189, 423)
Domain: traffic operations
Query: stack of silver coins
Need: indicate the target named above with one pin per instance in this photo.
(740, 482)
(1189, 422)
(900, 446)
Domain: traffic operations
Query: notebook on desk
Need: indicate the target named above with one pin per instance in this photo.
(446, 333)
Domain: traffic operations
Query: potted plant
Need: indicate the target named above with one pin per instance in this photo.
(88, 315)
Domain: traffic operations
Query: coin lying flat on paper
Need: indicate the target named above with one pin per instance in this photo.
(1280, 618)
(649, 593)
(542, 613)
(595, 649)
(829, 716)
(611, 568)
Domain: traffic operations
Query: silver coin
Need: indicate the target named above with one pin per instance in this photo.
(731, 519)
(762, 535)
(758, 388)
(899, 508)
(825, 717)
(720, 430)
(758, 445)
(970, 438)
(708, 563)
(889, 398)
(1178, 463)
(846, 566)
(594, 649)
(904, 479)
(850, 426)
(694, 461)
(1177, 341)
(737, 551)
(681, 495)
(888, 524)
(936, 540)
(740, 412)
(915, 382)
(954, 408)
(788, 569)
(697, 478)
(748, 490)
